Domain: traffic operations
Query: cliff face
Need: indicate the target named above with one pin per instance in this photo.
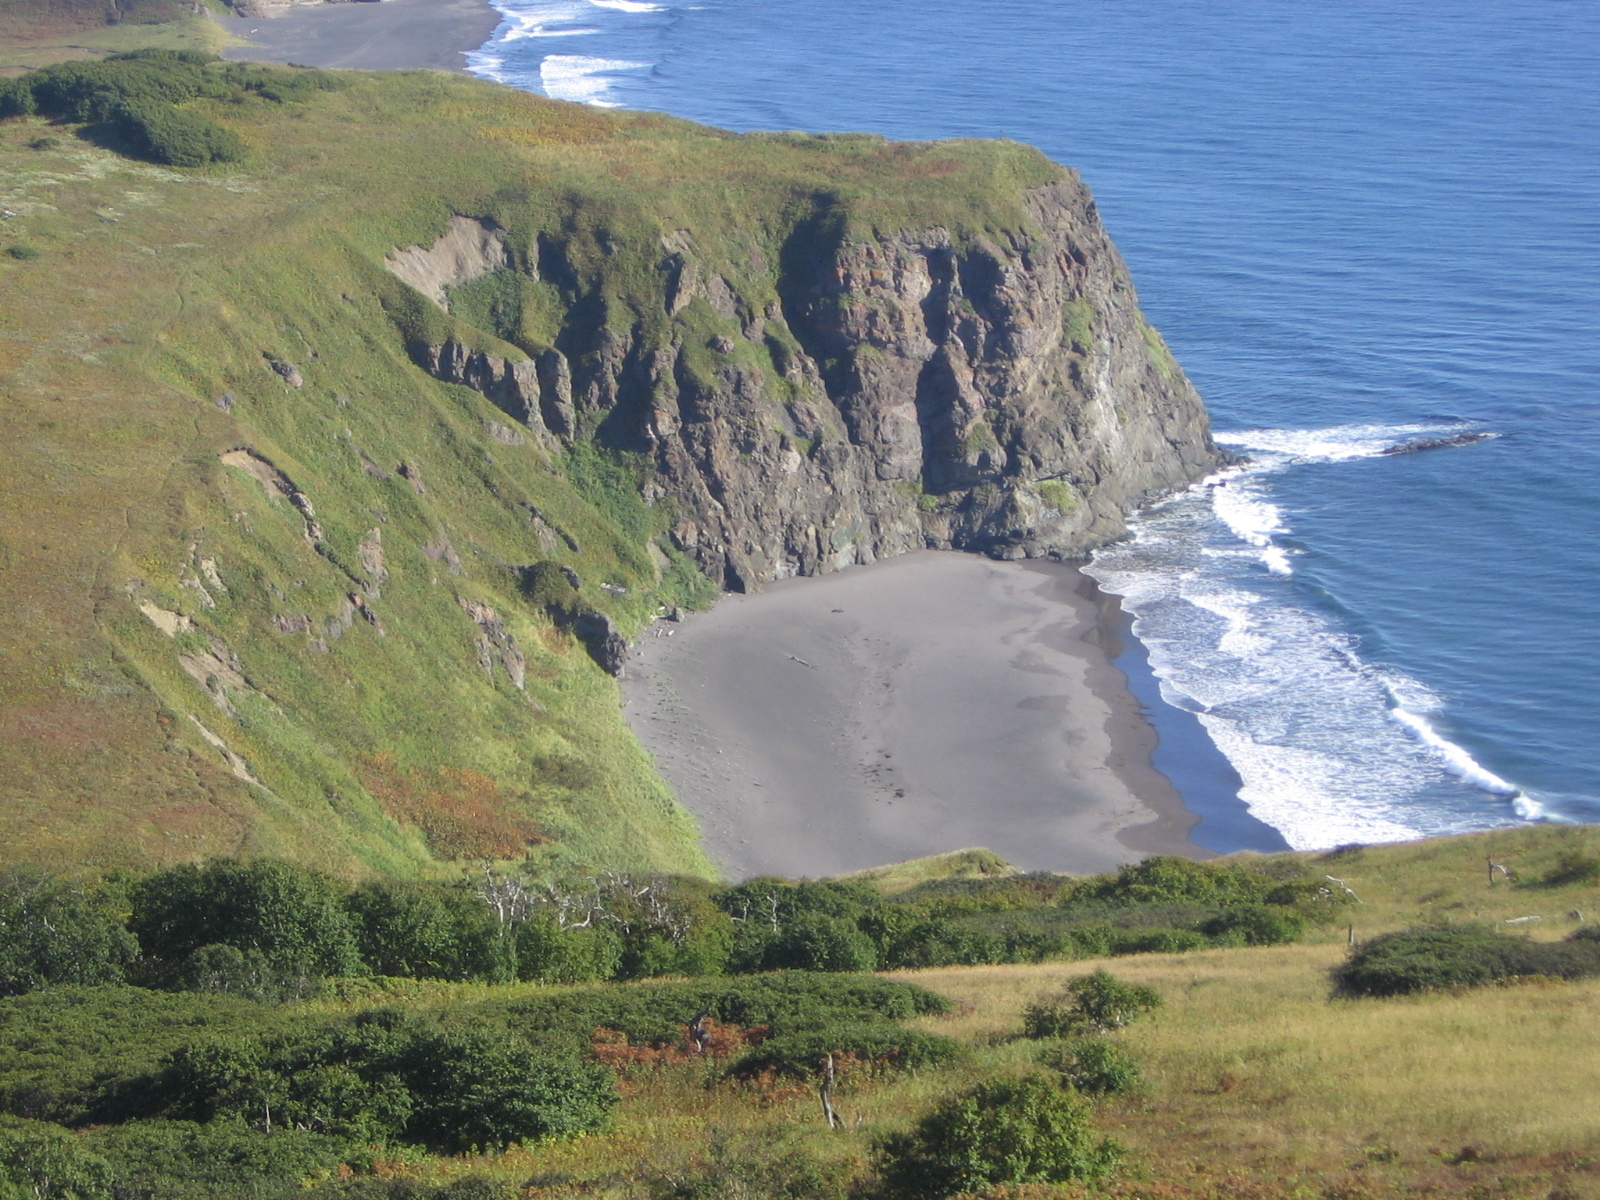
(1000, 396)
(337, 479)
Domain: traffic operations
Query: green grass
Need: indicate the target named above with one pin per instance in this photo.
(136, 352)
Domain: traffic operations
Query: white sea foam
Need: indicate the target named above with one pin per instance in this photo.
(628, 6)
(583, 78)
(1329, 748)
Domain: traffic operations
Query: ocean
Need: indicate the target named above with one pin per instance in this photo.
(1359, 226)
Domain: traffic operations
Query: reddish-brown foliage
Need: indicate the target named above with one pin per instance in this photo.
(611, 1046)
(461, 813)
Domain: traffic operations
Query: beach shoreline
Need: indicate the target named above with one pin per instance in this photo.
(387, 36)
(917, 705)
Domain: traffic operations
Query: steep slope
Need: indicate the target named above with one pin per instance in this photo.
(334, 480)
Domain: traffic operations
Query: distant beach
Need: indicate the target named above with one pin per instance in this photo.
(392, 35)
(917, 705)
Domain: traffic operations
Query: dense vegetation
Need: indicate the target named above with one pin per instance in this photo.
(1458, 956)
(135, 101)
(233, 325)
(277, 1080)
(269, 929)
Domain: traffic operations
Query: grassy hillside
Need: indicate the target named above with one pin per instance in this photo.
(195, 665)
(36, 32)
(1253, 1077)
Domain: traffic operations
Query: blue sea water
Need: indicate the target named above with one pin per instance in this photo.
(1357, 224)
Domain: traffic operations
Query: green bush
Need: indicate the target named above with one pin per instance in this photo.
(384, 1077)
(943, 943)
(799, 1055)
(1575, 867)
(546, 953)
(72, 1054)
(754, 1170)
(1092, 1003)
(45, 1162)
(1163, 879)
(235, 972)
(1027, 1130)
(16, 98)
(470, 1187)
(1456, 956)
(57, 934)
(476, 1089)
(1155, 941)
(1255, 925)
(1093, 1066)
(429, 931)
(785, 1002)
(821, 943)
(21, 252)
(294, 918)
(164, 134)
(180, 1160)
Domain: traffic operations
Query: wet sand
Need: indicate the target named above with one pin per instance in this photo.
(385, 36)
(918, 705)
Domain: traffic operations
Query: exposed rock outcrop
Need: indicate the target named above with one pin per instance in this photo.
(468, 249)
(537, 392)
(909, 388)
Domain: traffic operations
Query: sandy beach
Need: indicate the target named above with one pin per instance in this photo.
(917, 705)
(391, 35)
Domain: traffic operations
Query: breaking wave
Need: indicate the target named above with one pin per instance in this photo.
(1331, 748)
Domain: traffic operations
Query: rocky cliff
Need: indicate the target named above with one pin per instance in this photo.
(904, 389)
(336, 479)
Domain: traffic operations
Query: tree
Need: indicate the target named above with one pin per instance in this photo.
(815, 942)
(547, 953)
(429, 931)
(293, 917)
(45, 1162)
(476, 1089)
(1027, 1130)
(52, 933)
(1093, 1003)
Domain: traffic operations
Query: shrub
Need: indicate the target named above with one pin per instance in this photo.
(16, 98)
(45, 1162)
(71, 1054)
(1027, 1130)
(941, 943)
(1255, 925)
(799, 1055)
(1455, 956)
(385, 1077)
(821, 943)
(1092, 1003)
(655, 1014)
(235, 972)
(753, 1170)
(1164, 879)
(1155, 941)
(428, 931)
(56, 934)
(165, 134)
(546, 953)
(1093, 1066)
(477, 1089)
(469, 1187)
(1574, 867)
(22, 252)
(180, 1160)
(295, 918)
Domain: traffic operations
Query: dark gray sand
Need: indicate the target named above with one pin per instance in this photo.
(383, 36)
(918, 705)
